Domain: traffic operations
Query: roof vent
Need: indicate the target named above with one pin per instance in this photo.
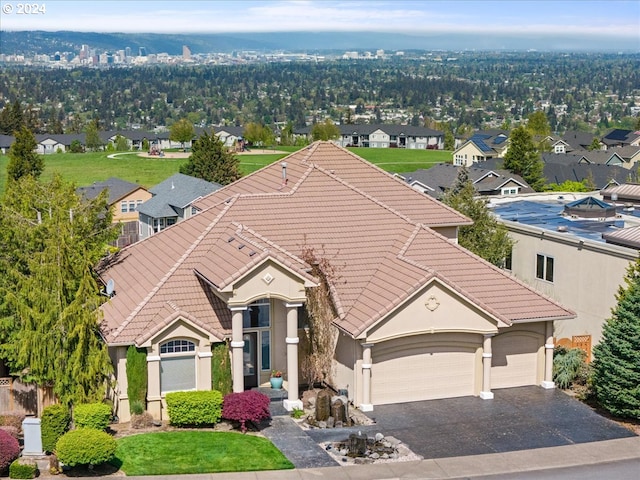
(562, 228)
(241, 246)
(230, 239)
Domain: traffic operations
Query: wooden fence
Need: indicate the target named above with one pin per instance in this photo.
(23, 398)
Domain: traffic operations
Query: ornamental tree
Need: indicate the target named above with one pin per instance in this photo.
(182, 131)
(23, 160)
(616, 365)
(487, 237)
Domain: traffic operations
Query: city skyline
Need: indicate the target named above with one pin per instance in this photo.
(615, 21)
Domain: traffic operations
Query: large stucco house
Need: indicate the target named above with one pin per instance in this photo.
(417, 316)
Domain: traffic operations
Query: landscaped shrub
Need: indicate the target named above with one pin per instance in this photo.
(248, 406)
(12, 420)
(13, 431)
(141, 420)
(9, 450)
(136, 377)
(221, 368)
(569, 364)
(92, 415)
(53, 424)
(136, 407)
(22, 470)
(194, 409)
(85, 446)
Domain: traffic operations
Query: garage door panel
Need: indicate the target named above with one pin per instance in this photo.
(514, 360)
(422, 373)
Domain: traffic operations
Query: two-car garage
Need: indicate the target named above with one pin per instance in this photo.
(445, 365)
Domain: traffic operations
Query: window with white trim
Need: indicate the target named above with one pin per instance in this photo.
(510, 191)
(544, 267)
(177, 366)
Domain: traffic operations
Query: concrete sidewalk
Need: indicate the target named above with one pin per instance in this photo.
(452, 467)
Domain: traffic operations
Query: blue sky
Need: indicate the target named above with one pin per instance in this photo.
(520, 17)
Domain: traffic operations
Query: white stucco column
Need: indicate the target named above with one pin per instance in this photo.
(487, 355)
(292, 341)
(154, 396)
(237, 348)
(548, 382)
(366, 405)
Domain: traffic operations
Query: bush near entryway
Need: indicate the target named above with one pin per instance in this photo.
(9, 450)
(194, 409)
(85, 446)
(569, 366)
(92, 415)
(22, 470)
(54, 423)
(248, 406)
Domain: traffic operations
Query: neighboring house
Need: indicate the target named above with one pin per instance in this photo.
(135, 138)
(603, 157)
(384, 136)
(416, 315)
(482, 146)
(626, 193)
(5, 143)
(124, 199)
(436, 180)
(229, 135)
(621, 138)
(571, 141)
(560, 249)
(53, 143)
(172, 202)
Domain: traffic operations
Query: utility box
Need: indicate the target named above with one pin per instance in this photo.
(32, 437)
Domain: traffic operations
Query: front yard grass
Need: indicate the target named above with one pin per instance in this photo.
(185, 452)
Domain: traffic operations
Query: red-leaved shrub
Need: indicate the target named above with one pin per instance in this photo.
(249, 406)
(9, 450)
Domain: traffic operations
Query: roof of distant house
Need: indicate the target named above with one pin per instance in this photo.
(117, 189)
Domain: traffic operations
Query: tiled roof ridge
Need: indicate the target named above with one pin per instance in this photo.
(171, 271)
(282, 256)
(493, 267)
(401, 182)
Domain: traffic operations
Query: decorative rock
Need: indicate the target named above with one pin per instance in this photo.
(393, 441)
(331, 422)
(374, 455)
(344, 452)
(357, 444)
(379, 437)
(362, 461)
(386, 444)
(323, 405)
(322, 424)
(385, 456)
(339, 424)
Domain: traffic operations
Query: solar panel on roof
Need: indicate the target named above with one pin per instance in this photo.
(618, 134)
(481, 145)
(499, 140)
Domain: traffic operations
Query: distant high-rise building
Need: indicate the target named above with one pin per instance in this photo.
(186, 52)
(142, 52)
(127, 52)
(84, 52)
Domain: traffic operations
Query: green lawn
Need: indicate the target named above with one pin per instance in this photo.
(185, 452)
(86, 168)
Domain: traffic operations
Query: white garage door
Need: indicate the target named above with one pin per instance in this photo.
(421, 371)
(514, 362)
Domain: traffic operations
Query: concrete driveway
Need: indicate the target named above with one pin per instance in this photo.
(516, 419)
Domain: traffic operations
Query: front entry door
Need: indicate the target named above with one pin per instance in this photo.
(250, 358)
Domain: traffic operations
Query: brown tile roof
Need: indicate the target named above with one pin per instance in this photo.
(370, 226)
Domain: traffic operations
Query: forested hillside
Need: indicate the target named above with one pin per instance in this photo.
(474, 90)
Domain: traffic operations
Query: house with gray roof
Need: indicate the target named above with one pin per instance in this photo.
(384, 136)
(619, 137)
(172, 202)
(436, 180)
(481, 146)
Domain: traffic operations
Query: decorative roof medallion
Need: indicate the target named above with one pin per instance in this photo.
(432, 303)
(268, 278)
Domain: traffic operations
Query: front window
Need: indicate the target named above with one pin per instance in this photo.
(177, 366)
(123, 207)
(257, 315)
(544, 267)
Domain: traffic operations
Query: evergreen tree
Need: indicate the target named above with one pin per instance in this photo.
(523, 159)
(50, 241)
(616, 365)
(487, 237)
(211, 161)
(538, 124)
(23, 160)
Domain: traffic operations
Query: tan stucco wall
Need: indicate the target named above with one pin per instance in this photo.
(450, 232)
(119, 216)
(345, 374)
(586, 276)
(118, 357)
(434, 310)
(468, 153)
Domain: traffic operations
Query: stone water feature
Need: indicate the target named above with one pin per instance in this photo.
(331, 411)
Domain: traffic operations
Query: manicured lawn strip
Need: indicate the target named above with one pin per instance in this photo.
(185, 452)
(87, 168)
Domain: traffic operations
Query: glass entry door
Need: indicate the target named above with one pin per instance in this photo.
(250, 359)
